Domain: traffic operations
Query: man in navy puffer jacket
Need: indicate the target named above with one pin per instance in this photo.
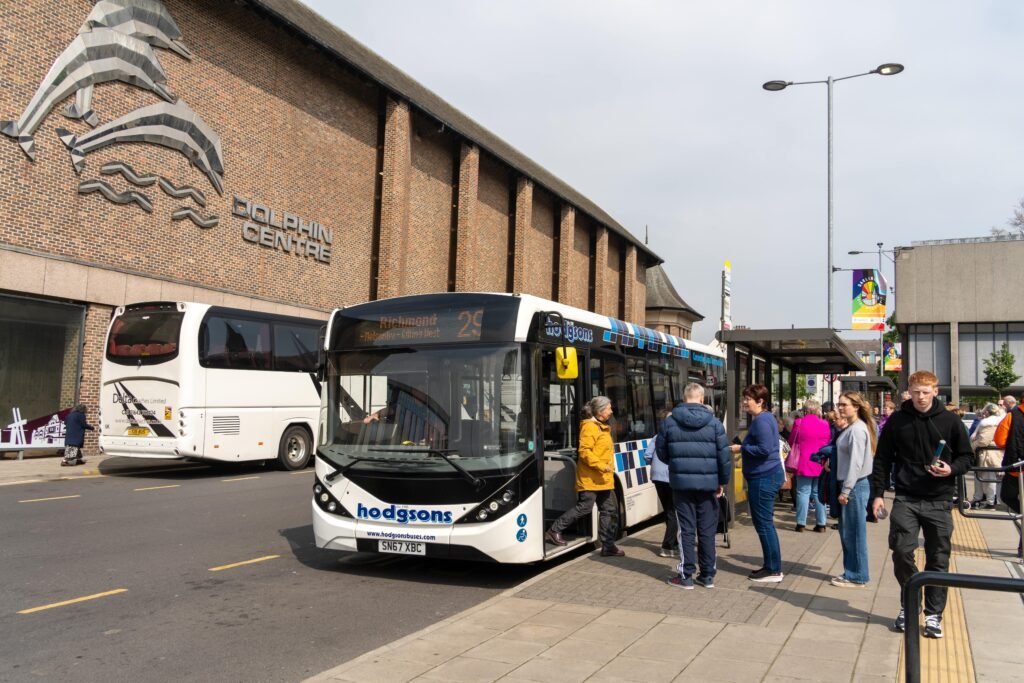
(692, 441)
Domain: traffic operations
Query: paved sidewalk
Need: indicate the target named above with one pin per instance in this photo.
(36, 468)
(608, 619)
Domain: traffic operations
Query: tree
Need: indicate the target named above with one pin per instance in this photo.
(1016, 223)
(890, 336)
(999, 369)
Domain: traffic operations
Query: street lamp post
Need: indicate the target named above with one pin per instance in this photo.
(889, 69)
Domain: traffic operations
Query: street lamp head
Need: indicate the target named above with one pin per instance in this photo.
(854, 253)
(889, 69)
(775, 85)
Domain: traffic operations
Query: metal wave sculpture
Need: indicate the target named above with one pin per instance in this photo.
(147, 20)
(190, 213)
(95, 57)
(129, 174)
(174, 126)
(90, 186)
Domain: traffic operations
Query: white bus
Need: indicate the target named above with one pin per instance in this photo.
(446, 431)
(193, 381)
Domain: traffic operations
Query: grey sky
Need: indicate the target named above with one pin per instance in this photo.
(654, 110)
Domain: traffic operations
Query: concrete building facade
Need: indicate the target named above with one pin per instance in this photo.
(957, 302)
(251, 154)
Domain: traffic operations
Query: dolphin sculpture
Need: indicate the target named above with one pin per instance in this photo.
(147, 20)
(98, 56)
(174, 126)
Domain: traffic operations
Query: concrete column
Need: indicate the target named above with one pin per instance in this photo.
(633, 313)
(523, 223)
(566, 235)
(601, 273)
(954, 361)
(394, 200)
(466, 231)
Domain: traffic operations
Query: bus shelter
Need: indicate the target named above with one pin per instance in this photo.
(874, 388)
(774, 358)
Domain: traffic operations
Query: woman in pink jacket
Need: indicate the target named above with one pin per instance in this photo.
(810, 433)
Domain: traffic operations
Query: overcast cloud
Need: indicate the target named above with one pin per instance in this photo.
(654, 110)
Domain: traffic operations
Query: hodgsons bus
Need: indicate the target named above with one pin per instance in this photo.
(446, 430)
(193, 381)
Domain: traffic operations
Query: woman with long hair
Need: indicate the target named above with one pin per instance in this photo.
(764, 474)
(595, 478)
(855, 449)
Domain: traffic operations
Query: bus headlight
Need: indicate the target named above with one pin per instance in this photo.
(327, 502)
(482, 515)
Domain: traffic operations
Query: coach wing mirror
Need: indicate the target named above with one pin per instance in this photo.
(565, 362)
(321, 354)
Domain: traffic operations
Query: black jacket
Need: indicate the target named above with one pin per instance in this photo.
(909, 440)
(74, 429)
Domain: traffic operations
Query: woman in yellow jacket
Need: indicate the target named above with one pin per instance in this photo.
(595, 478)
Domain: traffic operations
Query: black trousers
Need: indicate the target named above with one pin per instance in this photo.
(1009, 493)
(697, 514)
(909, 518)
(607, 527)
(671, 539)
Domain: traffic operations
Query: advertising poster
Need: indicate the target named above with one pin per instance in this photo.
(869, 293)
(893, 357)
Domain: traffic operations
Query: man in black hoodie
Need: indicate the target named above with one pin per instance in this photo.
(930, 448)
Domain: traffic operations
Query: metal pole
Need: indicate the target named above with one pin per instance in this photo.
(830, 274)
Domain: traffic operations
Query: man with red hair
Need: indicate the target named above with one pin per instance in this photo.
(930, 448)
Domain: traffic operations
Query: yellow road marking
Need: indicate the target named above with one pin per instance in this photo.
(154, 488)
(306, 471)
(241, 478)
(73, 601)
(239, 564)
(21, 481)
(40, 500)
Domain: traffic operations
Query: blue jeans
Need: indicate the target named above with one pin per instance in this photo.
(761, 493)
(853, 532)
(807, 490)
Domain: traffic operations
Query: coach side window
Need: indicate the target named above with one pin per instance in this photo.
(295, 347)
(235, 344)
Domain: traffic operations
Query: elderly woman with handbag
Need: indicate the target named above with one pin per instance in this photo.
(809, 435)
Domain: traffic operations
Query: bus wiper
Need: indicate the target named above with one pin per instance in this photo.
(343, 469)
(476, 481)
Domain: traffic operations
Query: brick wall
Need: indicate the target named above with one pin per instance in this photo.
(97, 318)
(430, 211)
(612, 265)
(539, 262)
(578, 293)
(492, 215)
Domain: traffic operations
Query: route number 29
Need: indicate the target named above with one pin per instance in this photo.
(470, 323)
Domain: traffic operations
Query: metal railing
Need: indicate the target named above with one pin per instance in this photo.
(989, 475)
(912, 604)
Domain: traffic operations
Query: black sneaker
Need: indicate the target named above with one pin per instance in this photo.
(932, 626)
(765, 576)
(901, 621)
(706, 581)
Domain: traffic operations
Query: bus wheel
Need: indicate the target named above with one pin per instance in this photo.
(296, 447)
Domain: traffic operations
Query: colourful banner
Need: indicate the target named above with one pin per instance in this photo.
(869, 293)
(893, 357)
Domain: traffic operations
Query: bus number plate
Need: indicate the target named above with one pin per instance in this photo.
(403, 547)
(138, 431)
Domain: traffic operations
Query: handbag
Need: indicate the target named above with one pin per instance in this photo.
(788, 483)
(793, 459)
(784, 449)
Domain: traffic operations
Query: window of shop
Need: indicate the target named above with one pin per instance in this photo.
(40, 364)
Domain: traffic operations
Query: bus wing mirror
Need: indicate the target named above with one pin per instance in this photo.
(565, 362)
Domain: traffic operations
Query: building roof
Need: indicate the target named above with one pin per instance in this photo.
(341, 45)
(661, 293)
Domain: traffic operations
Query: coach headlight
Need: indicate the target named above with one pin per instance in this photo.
(327, 502)
(499, 503)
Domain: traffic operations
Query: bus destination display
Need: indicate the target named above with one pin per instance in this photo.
(441, 326)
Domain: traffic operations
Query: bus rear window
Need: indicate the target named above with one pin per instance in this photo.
(146, 336)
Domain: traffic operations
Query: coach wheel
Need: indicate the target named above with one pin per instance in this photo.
(295, 450)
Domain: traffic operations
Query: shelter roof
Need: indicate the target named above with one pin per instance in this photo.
(806, 351)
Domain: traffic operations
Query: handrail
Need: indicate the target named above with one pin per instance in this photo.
(912, 606)
(964, 506)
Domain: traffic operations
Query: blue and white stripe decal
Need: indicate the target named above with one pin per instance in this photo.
(628, 335)
(630, 461)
